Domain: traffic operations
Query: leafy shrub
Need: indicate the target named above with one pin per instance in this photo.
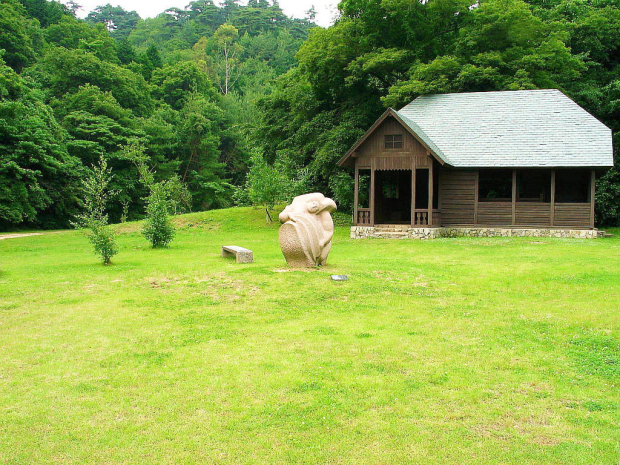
(266, 185)
(179, 196)
(163, 197)
(608, 198)
(269, 185)
(158, 228)
(103, 239)
(241, 196)
(94, 220)
(342, 186)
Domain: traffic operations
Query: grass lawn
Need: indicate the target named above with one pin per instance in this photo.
(463, 351)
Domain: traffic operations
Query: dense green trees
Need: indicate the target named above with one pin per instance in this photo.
(200, 89)
(19, 35)
(47, 12)
(181, 86)
(385, 53)
(38, 177)
(117, 20)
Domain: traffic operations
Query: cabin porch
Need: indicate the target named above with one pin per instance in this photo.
(395, 198)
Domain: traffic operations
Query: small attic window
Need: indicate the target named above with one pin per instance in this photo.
(394, 141)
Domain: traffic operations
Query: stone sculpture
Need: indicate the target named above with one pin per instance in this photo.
(307, 230)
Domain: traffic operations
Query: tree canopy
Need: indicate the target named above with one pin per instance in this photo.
(214, 92)
(382, 54)
(181, 85)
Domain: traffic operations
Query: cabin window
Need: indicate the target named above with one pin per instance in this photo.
(533, 186)
(394, 141)
(572, 186)
(495, 186)
(363, 189)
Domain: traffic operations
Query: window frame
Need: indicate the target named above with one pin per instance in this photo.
(532, 174)
(393, 141)
(484, 171)
(567, 189)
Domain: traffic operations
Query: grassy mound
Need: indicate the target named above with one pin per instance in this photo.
(500, 350)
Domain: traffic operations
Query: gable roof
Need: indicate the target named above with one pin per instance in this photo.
(524, 128)
(512, 129)
(411, 127)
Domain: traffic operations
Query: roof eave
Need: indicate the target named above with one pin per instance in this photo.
(430, 150)
(542, 167)
(367, 134)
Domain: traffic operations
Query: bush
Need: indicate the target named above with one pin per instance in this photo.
(103, 240)
(342, 186)
(269, 185)
(164, 196)
(241, 196)
(94, 220)
(158, 229)
(608, 198)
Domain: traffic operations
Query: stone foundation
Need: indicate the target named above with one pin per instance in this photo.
(366, 232)
(405, 232)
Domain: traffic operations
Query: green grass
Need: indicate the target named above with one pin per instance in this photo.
(463, 351)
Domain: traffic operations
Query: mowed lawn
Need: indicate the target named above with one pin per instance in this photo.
(458, 351)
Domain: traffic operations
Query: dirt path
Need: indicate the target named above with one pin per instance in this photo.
(12, 235)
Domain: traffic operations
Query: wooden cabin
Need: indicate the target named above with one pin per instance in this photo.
(514, 159)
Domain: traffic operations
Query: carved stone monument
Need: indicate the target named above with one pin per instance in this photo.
(307, 230)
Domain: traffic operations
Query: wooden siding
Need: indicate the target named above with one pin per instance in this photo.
(533, 214)
(459, 205)
(575, 215)
(423, 160)
(393, 163)
(495, 213)
(374, 146)
(457, 194)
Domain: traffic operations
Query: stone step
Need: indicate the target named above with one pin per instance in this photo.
(391, 229)
(390, 235)
(403, 227)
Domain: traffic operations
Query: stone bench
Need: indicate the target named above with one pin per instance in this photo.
(242, 255)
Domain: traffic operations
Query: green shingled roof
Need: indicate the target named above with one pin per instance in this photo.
(422, 135)
(526, 128)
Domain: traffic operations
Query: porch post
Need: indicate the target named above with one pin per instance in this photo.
(476, 194)
(514, 197)
(372, 192)
(552, 212)
(430, 194)
(413, 194)
(592, 196)
(356, 194)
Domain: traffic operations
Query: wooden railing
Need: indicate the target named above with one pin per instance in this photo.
(420, 218)
(363, 216)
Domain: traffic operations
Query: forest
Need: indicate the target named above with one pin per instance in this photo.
(243, 105)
